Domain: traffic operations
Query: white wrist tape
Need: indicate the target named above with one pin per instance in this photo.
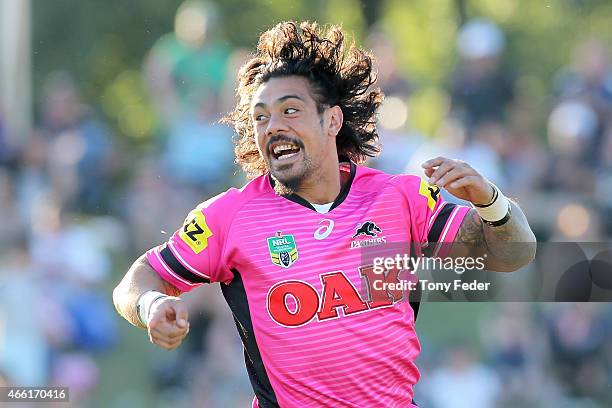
(145, 301)
(497, 209)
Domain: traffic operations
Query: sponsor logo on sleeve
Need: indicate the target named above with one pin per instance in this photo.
(195, 231)
(431, 192)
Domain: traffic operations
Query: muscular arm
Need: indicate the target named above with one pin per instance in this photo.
(508, 247)
(139, 279)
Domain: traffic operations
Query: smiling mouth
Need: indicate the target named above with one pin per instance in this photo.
(284, 150)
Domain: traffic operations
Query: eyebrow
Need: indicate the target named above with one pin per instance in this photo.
(281, 99)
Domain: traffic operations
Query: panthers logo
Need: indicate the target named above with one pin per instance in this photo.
(368, 228)
(431, 192)
(434, 191)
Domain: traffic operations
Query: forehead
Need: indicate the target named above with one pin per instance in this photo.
(277, 88)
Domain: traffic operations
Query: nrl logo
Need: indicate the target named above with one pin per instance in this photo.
(283, 251)
(370, 230)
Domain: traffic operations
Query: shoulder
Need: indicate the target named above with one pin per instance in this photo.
(411, 188)
(371, 179)
(230, 201)
(215, 216)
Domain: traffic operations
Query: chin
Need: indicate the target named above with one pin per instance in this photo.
(288, 181)
(287, 186)
(289, 177)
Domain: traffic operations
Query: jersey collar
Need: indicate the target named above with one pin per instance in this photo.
(344, 191)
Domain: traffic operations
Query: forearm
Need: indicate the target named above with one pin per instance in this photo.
(139, 279)
(508, 247)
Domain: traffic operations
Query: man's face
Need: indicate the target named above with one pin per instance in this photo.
(292, 137)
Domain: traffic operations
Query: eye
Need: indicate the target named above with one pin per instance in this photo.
(260, 117)
(290, 111)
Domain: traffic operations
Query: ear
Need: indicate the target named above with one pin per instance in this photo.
(335, 120)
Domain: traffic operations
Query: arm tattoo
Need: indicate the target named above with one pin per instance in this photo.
(471, 230)
(509, 246)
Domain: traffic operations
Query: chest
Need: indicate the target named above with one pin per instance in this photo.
(297, 244)
(299, 266)
(290, 237)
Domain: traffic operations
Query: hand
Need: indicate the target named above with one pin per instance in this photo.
(459, 179)
(168, 322)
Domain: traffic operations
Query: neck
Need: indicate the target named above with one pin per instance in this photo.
(325, 186)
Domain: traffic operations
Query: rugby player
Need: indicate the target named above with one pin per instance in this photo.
(287, 247)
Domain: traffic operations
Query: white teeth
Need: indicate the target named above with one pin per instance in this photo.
(278, 149)
(286, 156)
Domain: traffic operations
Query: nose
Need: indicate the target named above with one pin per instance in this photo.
(276, 124)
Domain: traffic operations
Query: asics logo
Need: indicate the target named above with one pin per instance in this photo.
(324, 230)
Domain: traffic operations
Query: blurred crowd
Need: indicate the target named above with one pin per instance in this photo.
(78, 203)
(544, 355)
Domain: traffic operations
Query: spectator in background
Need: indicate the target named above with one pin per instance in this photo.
(4, 153)
(390, 78)
(186, 69)
(481, 87)
(199, 153)
(147, 184)
(461, 381)
(588, 80)
(603, 188)
(572, 133)
(79, 148)
(584, 91)
(24, 350)
(525, 158)
(71, 265)
(580, 128)
(516, 349)
(399, 140)
(11, 225)
(577, 333)
(481, 91)
(31, 181)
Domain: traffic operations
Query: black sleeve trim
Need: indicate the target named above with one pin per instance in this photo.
(416, 295)
(440, 222)
(178, 267)
(438, 227)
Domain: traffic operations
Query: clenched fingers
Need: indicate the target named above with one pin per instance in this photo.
(167, 344)
(169, 323)
(168, 337)
(169, 330)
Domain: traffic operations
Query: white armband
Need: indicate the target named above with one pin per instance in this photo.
(145, 301)
(497, 212)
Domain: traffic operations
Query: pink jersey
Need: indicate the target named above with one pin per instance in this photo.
(299, 286)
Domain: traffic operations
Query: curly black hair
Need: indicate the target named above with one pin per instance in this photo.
(337, 77)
